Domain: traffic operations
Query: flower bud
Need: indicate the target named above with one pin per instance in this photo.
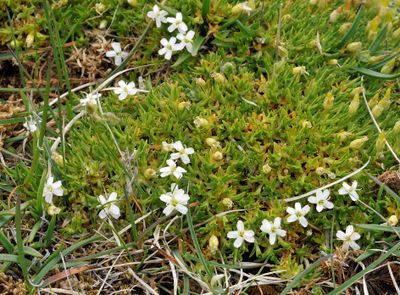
(354, 47)
(377, 110)
(333, 62)
(356, 90)
(335, 15)
(229, 68)
(241, 7)
(313, 2)
(132, 3)
(217, 156)
(393, 220)
(211, 142)
(343, 135)
(103, 24)
(328, 102)
(358, 143)
(306, 124)
(150, 173)
(354, 104)
(396, 128)
(200, 122)
(213, 244)
(53, 210)
(396, 34)
(58, 159)
(227, 202)
(380, 142)
(184, 105)
(320, 170)
(282, 51)
(300, 70)
(200, 82)
(29, 40)
(266, 168)
(100, 8)
(167, 147)
(344, 28)
(218, 77)
(388, 67)
(373, 101)
(376, 58)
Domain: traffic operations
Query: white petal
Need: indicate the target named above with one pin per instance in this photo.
(343, 191)
(354, 245)
(117, 60)
(112, 197)
(111, 53)
(240, 225)
(281, 232)
(312, 200)
(303, 221)
(102, 214)
(116, 46)
(58, 191)
(292, 218)
(102, 199)
(290, 211)
(185, 159)
(182, 209)
(164, 42)
(114, 211)
(272, 238)
(305, 209)
(48, 197)
(232, 235)
(354, 184)
(355, 236)
(354, 196)
(190, 34)
(166, 198)
(171, 28)
(189, 47)
(297, 206)
(329, 205)
(123, 96)
(168, 210)
(349, 230)
(175, 156)
(319, 208)
(341, 235)
(238, 242)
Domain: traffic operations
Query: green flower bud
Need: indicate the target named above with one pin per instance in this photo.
(358, 143)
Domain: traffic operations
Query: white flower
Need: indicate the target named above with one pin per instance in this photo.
(273, 229)
(172, 169)
(30, 126)
(90, 99)
(242, 7)
(298, 213)
(241, 235)
(52, 188)
(321, 200)
(124, 90)
(117, 53)
(176, 199)
(348, 238)
(182, 152)
(157, 15)
(108, 208)
(186, 40)
(169, 48)
(167, 147)
(177, 23)
(349, 190)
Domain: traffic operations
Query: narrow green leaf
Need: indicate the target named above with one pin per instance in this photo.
(184, 56)
(378, 40)
(378, 227)
(20, 243)
(205, 9)
(50, 231)
(12, 121)
(197, 245)
(375, 74)
(384, 61)
(32, 252)
(9, 258)
(6, 243)
(359, 275)
(350, 33)
(385, 187)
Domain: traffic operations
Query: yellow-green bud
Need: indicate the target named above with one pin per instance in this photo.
(211, 142)
(184, 105)
(150, 173)
(355, 103)
(358, 143)
(218, 77)
(227, 202)
(328, 102)
(380, 142)
(53, 210)
(344, 28)
(333, 62)
(266, 168)
(306, 124)
(396, 128)
(343, 135)
(217, 156)
(213, 244)
(241, 7)
(373, 101)
(200, 82)
(388, 67)
(103, 24)
(396, 34)
(133, 3)
(58, 159)
(29, 40)
(301, 70)
(100, 8)
(200, 122)
(393, 220)
(282, 51)
(376, 58)
(354, 47)
(320, 170)
(377, 110)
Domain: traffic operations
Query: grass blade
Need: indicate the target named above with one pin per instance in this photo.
(350, 33)
(378, 227)
(205, 9)
(374, 74)
(378, 40)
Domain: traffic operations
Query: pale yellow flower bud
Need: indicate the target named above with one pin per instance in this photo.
(100, 8)
(396, 128)
(29, 40)
(200, 82)
(184, 105)
(373, 101)
(58, 159)
(217, 156)
(218, 77)
(211, 142)
(200, 122)
(53, 210)
(150, 173)
(306, 124)
(377, 110)
(358, 143)
(396, 34)
(343, 135)
(376, 58)
(320, 170)
(133, 3)
(301, 70)
(103, 24)
(393, 220)
(388, 68)
(213, 244)
(380, 142)
(242, 7)
(354, 104)
(354, 47)
(266, 168)
(328, 102)
(227, 202)
(344, 28)
(333, 62)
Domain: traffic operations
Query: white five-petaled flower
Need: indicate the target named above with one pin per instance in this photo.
(273, 229)
(177, 23)
(349, 238)
(117, 53)
(157, 15)
(349, 190)
(176, 199)
(30, 126)
(298, 213)
(108, 206)
(90, 99)
(169, 48)
(321, 200)
(182, 152)
(52, 188)
(241, 235)
(177, 171)
(124, 90)
(186, 40)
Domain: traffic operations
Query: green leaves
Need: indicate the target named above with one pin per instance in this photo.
(352, 31)
(374, 74)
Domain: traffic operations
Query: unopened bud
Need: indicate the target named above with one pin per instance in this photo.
(29, 40)
(53, 210)
(213, 244)
(184, 105)
(333, 62)
(335, 15)
(306, 124)
(358, 143)
(374, 100)
(354, 104)
(380, 142)
(396, 128)
(388, 67)
(376, 58)
(133, 3)
(211, 142)
(344, 28)
(393, 220)
(200, 82)
(300, 70)
(218, 77)
(227, 202)
(200, 122)
(377, 110)
(150, 173)
(328, 102)
(354, 47)
(100, 8)
(320, 170)
(266, 168)
(103, 24)
(217, 156)
(58, 159)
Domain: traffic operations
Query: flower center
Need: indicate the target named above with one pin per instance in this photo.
(169, 47)
(174, 202)
(241, 233)
(321, 202)
(273, 229)
(173, 168)
(182, 152)
(299, 213)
